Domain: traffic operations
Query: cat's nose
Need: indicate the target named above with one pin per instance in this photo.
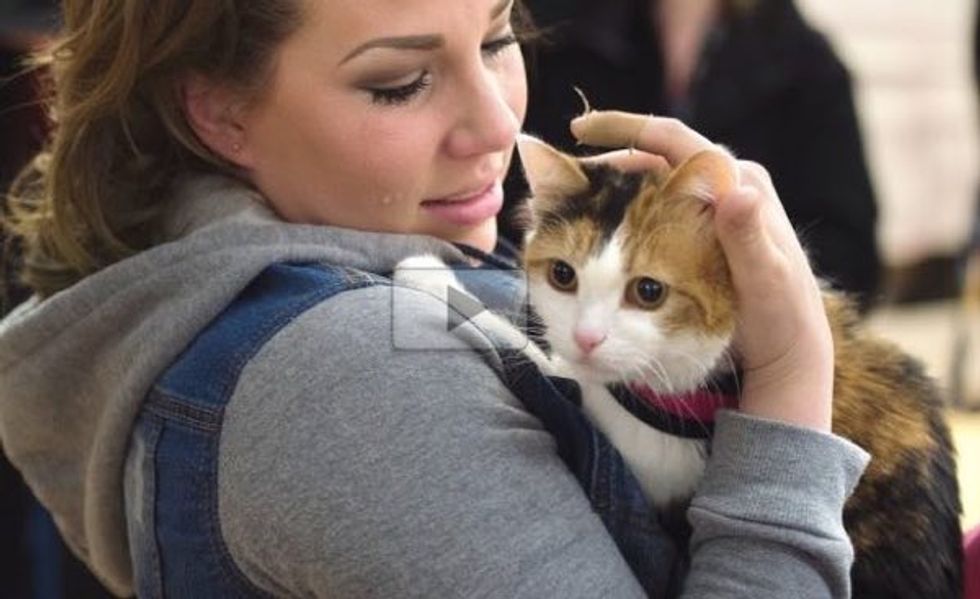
(588, 339)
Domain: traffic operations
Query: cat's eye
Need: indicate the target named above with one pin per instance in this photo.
(562, 277)
(646, 293)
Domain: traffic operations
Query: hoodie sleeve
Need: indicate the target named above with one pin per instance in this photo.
(767, 517)
(350, 467)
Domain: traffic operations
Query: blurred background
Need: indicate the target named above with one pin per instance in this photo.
(884, 184)
(915, 65)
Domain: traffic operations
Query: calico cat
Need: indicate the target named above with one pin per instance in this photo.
(637, 304)
(635, 258)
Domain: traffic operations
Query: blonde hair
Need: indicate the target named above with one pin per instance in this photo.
(94, 195)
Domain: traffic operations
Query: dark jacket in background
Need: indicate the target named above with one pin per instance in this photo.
(22, 131)
(768, 87)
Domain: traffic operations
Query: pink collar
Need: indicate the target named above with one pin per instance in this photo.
(699, 404)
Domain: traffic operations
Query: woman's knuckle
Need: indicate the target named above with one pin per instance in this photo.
(674, 126)
(756, 171)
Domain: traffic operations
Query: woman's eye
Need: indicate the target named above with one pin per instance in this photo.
(494, 47)
(646, 293)
(392, 96)
(388, 96)
(562, 277)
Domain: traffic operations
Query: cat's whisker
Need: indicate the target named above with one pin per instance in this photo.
(663, 369)
(674, 400)
(639, 375)
(626, 359)
(640, 365)
(651, 376)
(701, 367)
(680, 406)
(637, 361)
(659, 375)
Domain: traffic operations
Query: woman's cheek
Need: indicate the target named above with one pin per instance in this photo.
(515, 81)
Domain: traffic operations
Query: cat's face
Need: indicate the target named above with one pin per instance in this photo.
(625, 270)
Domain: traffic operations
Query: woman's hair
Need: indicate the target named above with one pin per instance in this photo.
(94, 195)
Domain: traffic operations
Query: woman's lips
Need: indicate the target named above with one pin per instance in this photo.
(468, 211)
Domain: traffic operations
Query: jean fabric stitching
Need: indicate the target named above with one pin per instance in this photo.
(336, 281)
(196, 418)
(267, 331)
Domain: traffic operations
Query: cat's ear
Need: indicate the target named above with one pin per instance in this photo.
(551, 174)
(704, 178)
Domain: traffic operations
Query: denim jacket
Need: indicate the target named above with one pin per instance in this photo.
(171, 471)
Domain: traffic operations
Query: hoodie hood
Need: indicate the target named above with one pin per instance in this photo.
(75, 367)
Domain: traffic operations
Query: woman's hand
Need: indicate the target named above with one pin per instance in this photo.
(783, 337)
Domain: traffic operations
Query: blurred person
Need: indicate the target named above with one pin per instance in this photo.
(750, 74)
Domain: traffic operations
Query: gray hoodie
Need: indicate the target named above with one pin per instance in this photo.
(75, 368)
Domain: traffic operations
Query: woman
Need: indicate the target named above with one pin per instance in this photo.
(205, 390)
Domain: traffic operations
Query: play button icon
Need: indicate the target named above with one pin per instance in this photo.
(462, 308)
(455, 308)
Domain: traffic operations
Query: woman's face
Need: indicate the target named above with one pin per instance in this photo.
(392, 115)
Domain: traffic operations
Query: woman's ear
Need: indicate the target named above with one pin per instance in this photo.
(215, 114)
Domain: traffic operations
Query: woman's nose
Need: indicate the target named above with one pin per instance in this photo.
(488, 123)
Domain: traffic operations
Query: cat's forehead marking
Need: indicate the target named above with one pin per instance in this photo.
(604, 204)
(603, 272)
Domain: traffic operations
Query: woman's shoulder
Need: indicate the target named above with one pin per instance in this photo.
(357, 312)
(350, 344)
(348, 458)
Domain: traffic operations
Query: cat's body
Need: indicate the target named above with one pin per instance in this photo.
(634, 293)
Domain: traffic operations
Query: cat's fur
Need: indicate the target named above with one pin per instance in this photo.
(614, 228)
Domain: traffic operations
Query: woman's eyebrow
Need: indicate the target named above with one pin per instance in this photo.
(417, 42)
(407, 42)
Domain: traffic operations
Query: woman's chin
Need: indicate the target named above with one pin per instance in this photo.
(482, 237)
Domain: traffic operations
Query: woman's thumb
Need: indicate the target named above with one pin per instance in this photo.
(741, 230)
